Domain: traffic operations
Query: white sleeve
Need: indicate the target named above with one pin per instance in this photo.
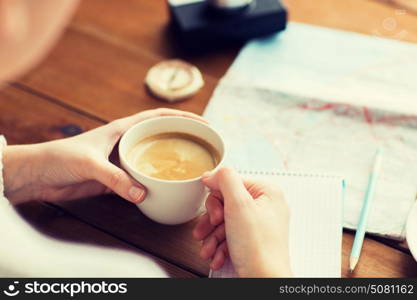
(24, 252)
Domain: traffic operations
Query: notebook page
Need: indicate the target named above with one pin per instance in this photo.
(315, 204)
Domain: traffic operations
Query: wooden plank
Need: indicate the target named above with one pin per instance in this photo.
(363, 16)
(102, 79)
(144, 26)
(377, 260)
(399, 245)
(59, 225)
(26, 118)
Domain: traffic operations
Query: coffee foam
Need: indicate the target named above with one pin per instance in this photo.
(173, 156)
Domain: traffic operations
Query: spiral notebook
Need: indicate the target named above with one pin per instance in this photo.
(316, 207)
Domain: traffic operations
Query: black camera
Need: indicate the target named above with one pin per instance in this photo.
(211, 24)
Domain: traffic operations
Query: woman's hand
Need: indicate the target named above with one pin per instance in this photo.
(247, 221)
(75, 167)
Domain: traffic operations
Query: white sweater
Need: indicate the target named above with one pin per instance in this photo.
(24, 252)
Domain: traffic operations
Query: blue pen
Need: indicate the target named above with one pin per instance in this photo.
(363, 219)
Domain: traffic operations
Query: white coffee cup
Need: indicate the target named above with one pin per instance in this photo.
(170, 201)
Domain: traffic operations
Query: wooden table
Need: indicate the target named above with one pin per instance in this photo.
(95, 75)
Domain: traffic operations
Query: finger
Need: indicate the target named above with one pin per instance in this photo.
(255, 188)
(259, 188)
(210, 243)
(230, 184)
(217, 194)
(203, 228)
(219, 257)
(119, 181)
(209, 248)
(214, 210)
(219, 233)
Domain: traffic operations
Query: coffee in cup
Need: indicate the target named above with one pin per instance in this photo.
(173, 156)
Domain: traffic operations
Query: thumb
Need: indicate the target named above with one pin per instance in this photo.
(229, 183)
(119, 182)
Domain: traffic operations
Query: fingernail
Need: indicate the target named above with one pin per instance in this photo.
(136, 194)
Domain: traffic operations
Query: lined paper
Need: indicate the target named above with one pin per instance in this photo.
(316, 204)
